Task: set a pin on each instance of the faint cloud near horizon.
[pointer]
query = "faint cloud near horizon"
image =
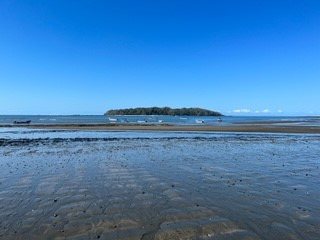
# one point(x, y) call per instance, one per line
point(270, 112)
point(263, 111)
point(242, 110)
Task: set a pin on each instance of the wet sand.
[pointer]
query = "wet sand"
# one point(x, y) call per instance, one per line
point(238, 186)
point(239, 127)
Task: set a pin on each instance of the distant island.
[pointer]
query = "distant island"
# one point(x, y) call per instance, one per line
point(163, 111)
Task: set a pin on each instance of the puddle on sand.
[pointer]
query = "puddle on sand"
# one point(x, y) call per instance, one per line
point(253, 187)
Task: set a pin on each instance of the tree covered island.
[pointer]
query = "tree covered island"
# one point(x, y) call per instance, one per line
point(163, 111)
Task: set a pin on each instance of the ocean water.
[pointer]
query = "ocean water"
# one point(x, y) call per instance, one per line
point(29, 133)
point(179, 120)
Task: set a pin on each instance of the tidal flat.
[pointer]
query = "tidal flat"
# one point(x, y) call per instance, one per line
point(160, 186)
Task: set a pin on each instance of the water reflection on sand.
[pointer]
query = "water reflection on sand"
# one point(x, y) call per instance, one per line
point(232, 186)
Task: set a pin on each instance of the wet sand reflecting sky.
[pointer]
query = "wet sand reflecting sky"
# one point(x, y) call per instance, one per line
point(247, 186)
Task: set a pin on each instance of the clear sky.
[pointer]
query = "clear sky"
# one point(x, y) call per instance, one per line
point(84, 57)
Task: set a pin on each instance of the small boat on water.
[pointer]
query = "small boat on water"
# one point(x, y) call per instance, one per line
point(141, 121)
point(22, 122)
point(199, 121)
point(160, 121)
point(113, 119)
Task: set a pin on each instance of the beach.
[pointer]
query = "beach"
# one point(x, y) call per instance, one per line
point(95, 184)
point(159, 120)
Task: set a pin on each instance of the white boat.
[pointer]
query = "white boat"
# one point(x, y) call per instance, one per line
point(113, 119)
point(199, 121)
point(141, 121)
point(160, 121)
point(124, 120)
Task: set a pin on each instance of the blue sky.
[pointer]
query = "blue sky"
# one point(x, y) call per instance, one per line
point(84, 57)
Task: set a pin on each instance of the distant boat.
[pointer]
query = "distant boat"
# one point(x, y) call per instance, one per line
point(183, 118)
point(160, 121)
point(199, 121)
point(22, 122)
point(141, 121)
point(113, 119)
point(219, 120)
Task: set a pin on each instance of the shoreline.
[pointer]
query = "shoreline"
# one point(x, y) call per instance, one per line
point(267, 128)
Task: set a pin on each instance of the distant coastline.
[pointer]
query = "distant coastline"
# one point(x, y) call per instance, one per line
point(163, 111)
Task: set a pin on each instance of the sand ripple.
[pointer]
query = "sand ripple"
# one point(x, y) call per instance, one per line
point(246, 187)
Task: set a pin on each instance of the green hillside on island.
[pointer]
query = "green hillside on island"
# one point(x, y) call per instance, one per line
point(163, 111)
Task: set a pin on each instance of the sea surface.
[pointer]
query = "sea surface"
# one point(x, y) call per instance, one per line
point(178, 120)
